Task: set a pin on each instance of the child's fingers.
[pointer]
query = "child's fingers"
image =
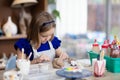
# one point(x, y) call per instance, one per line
point(63, 56)
point(47, 59)
point(44, 58)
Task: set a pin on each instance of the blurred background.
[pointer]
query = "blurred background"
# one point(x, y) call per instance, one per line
point(79, 22)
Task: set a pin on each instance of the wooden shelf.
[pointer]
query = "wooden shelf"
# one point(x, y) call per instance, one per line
point(12, 37)
point(7, 43)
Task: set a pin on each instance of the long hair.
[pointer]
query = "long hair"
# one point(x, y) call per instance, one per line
point(41, 22)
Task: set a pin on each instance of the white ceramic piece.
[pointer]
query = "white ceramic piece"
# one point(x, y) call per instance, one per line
point(10, 28)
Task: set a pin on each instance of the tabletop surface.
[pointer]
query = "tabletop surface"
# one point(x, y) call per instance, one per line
point(1, 74)
point(37, 73)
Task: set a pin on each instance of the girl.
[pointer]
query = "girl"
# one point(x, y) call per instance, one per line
point(40, 40)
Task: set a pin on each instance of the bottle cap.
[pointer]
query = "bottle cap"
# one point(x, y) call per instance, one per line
point(105, 45)
point(95, 43)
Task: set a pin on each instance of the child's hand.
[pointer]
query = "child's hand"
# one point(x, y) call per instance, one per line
point(64, 56)
point(58, 63)
point(43, 58)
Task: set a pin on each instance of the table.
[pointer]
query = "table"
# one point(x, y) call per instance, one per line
point(107, 76)
point(37, 74)
point(1, 74)
point(42, 73)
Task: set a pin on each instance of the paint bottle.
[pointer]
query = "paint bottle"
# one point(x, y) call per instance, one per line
point(95, 47)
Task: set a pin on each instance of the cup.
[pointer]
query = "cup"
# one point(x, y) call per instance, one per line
point(45, 66)
point(23, 65)
point(98, 67)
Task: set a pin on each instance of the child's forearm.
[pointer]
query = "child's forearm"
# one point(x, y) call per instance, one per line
point(61, 54)
point(58, 52)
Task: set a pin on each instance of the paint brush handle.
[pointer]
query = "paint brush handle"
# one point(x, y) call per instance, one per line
point(29, 56)
point(22, 53)
point(102, 55)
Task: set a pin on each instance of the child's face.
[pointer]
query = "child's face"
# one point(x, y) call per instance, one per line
point(46, 36)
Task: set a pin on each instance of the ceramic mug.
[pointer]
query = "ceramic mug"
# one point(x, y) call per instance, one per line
point(23, 65)
point(98, 67)
point(45, 66)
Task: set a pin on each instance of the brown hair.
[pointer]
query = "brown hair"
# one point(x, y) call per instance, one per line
point(40, 23)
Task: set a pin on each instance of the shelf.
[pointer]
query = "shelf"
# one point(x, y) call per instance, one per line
point(7, 43)
point(13, 37)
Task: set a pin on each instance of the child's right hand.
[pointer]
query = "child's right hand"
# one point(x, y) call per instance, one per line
point(43, 58)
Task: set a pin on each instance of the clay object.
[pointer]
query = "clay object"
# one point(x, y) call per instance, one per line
point(115, 53)
point(70, 59)
point(10, 28)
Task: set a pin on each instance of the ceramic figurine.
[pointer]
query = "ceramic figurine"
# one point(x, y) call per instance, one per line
point(10, 28)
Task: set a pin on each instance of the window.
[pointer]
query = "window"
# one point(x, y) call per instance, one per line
point(73, 17)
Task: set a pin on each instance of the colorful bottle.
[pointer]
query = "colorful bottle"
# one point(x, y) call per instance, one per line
point(95, 46)
point(105, 47)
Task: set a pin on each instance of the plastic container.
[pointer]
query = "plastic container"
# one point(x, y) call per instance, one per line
point(112, 64)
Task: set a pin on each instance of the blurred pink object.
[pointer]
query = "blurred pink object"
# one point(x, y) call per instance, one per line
point(99, 68)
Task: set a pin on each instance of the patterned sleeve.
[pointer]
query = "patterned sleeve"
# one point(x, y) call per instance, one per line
point(24, 43)
point(56, 42)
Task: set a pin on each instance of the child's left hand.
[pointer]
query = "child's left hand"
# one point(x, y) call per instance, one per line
point(58, 63)
point(63, 56)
